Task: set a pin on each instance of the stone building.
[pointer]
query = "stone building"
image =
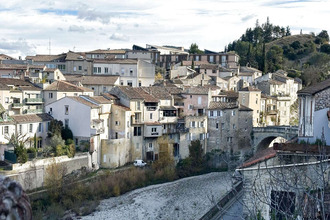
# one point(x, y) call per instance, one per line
point(286, 182)
point(229, 127)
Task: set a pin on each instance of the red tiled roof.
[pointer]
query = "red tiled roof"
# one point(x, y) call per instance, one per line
point(259, 157)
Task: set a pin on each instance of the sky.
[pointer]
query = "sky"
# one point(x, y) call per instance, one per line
point(57, 26)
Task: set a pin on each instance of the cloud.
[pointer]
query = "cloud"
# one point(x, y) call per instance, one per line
point(119, 37)
point(80, 29)
point(248, 17)
point(94, 15)
point(75, 28)
point(19, 46)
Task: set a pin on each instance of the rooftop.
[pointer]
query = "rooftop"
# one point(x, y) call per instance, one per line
point(311, 90)
point(66, 87)
point(92, 79)
point(32, 118)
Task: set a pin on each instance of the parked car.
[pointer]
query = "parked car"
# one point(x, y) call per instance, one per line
point(139, 163)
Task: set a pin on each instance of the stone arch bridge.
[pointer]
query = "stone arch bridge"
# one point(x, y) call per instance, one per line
point(263, 136)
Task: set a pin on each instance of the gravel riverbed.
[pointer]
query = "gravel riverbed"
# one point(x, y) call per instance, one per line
point(188, 198)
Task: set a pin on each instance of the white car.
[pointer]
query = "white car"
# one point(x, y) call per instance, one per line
point(139, 163)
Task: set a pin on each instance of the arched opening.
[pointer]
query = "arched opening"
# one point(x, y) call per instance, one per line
point(268, 142)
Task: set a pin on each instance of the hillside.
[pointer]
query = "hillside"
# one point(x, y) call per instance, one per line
point(269, 48)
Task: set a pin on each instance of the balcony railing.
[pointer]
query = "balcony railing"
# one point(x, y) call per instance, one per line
point(178, 104)
point(32, 111)
point(17, 105)
point(33, 100)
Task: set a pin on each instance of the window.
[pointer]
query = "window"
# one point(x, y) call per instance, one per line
point(20, 129)
point(6, 129)
point(201, 136)
point(150, 115)
point(211, 113)
point(94, 69)
point(202, 124)
point(234, 126)
point(117, 123)
point(121, 82)
point(66, 123)
point(50, 95)
point(40, 127)
point(122, 71)
point(137, 131)
point(76, 141)
point(217, 125)
point(79, 67)
point(153, 129)
point(127, 135)
point(233, 113)
point(6, 100)
point(199, 100)
point(150, 145)
point(99, 69)
point(190, 106)
point(193, 124)
point(66, 109)
point(31, 128)
point(131, 72)
point(140, 84)
point(190, 96)
point(222, 126)
point(256, 100)
point(138, 106)
point(129, 83)
point(104, 89)
point(74, 69)
point(61, 66)
point(75, 94)
point(211, 59)
point(39, 143)
point(106, 69)
point(116, 135)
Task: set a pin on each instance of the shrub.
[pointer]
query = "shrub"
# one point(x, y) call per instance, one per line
point(116, 190)
point(66, 133)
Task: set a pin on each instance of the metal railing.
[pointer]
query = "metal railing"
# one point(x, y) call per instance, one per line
point(33, 100)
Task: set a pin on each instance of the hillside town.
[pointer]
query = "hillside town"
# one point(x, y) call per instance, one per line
point(120, 104)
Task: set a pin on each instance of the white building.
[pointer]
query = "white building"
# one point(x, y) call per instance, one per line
point(83, 116)
point(314, 114)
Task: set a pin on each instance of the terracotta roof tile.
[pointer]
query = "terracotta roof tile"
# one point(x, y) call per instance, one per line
point(159, 92)
point(223, 105)
point(32, 118)
point(259, 157)
point(92, 79)
point(21, 84)
point(66, 87)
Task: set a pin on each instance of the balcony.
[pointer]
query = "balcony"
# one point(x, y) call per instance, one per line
point(33, 100)
point(179, 104)
point(32, 111)
point(170, 131)
point(16, 105)
point(95, 131)
point(136, 121)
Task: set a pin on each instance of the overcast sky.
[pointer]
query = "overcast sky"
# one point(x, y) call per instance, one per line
point(27, 27)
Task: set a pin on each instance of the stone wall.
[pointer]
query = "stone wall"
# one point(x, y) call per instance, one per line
point(322, 100)
point(260, 180)
point(32, 174)
point(117, 152)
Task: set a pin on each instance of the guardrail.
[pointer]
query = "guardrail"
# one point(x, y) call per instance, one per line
point(223, 201)
point(278, 129)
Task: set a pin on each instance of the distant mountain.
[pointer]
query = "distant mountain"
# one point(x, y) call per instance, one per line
point(269, 48)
